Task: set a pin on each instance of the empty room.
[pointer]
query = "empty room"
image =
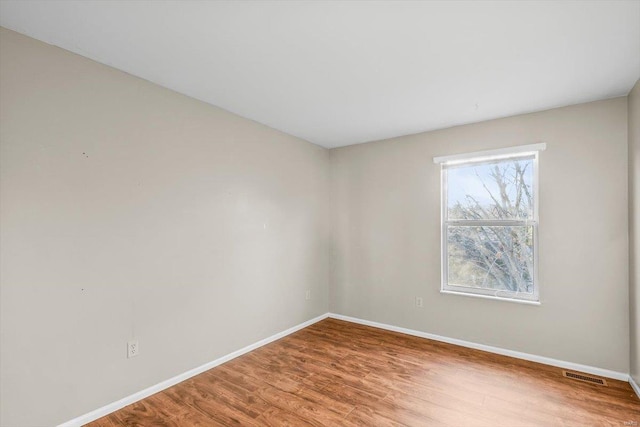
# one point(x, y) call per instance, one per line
point(319, 213)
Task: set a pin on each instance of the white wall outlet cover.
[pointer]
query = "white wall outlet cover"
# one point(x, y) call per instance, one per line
point(132, 348)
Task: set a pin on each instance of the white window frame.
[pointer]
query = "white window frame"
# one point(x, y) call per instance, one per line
point(476, 158)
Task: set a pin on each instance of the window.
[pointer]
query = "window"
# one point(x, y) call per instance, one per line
point(490, 223)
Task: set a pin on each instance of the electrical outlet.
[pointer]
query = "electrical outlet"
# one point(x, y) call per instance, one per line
point(132, 349)
point(419, 302)
point(308, 295)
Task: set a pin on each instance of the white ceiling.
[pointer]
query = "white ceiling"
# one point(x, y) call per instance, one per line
point(340, 73)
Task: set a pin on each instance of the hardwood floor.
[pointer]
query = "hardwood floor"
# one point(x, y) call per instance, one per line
point(336, 373)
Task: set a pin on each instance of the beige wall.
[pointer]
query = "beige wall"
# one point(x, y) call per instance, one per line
point(634, 229)
point(386, 205)
point(128, 209)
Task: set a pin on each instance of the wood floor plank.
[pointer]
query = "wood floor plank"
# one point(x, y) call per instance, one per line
point(145, 413)
point(350, 395)
point(365, 416)
point(335, 373)
point(315, 412)
point(180, 412)
point(197, 397)
point(232, 395)
point(274, 417)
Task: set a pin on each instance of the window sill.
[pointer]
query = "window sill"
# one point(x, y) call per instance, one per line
point(519, 301)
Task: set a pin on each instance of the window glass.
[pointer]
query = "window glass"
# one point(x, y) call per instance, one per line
point(491, 190)
point(491, 257)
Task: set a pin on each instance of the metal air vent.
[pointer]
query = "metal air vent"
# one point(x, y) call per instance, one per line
point(584, 377)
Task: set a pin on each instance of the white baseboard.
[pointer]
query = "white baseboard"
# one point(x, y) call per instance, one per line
point(497, 350)
point(112, 407)
point(634, 386)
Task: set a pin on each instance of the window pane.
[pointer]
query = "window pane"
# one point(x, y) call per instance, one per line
point(500, 189)
point(491, 257)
